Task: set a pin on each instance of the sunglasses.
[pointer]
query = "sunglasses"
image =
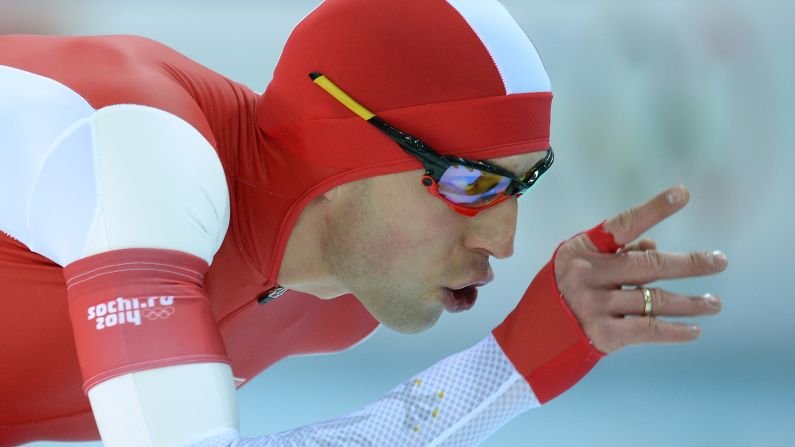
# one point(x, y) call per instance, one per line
point(466, 186)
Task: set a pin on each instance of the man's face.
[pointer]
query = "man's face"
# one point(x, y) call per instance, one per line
point(396, 247)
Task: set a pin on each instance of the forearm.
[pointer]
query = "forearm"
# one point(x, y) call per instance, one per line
point(538, 352)
point(459, 401)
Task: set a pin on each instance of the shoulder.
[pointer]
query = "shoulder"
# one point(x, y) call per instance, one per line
point(88, 63)
point(111, 70)
point(137, 177)
point(107, 135)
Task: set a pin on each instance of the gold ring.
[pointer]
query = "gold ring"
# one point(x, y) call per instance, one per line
point(648, 297)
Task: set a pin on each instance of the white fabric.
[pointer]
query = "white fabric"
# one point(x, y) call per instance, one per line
point(165, 406)
point(129, 176)
point(34, 112)
point(481, 389)
point(74, 182)
point(512, 51)
point(78, 182)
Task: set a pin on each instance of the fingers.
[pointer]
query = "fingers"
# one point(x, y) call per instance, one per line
point(629, 225)
point(641, 267)
point(665, 303)
point(651, 330)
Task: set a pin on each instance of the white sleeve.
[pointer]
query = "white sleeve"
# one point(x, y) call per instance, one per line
point(74, 182)
point(150, 181)
point(128, 176)
point(460, 401)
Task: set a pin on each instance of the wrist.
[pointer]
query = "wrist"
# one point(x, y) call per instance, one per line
point(544, 340)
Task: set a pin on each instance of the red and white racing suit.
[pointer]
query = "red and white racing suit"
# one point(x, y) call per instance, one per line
point(145, 204)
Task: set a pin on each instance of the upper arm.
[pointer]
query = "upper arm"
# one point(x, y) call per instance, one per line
point(128, 176)
point(133, 202)
point(76, 181)
point(136, 178)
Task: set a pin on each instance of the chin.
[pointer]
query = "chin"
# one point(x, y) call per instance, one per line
point(413, 325)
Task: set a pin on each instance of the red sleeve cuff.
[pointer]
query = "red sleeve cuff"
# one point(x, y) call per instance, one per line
point(139, 309)
point(544, 341)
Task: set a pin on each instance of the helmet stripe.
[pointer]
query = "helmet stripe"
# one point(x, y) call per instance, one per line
point(512, 51)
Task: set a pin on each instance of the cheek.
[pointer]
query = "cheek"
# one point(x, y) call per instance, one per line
point(417, 232)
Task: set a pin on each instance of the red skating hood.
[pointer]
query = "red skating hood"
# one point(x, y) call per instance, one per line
point(459, 74)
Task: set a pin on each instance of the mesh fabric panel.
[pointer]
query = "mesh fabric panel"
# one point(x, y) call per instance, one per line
point(459, 401)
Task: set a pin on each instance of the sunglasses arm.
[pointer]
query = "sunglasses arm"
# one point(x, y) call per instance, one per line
point(430, 159)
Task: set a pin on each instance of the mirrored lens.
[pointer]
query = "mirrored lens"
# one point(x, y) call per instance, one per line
point(469, 186)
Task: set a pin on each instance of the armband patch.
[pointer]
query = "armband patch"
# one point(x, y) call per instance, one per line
point(138, 309)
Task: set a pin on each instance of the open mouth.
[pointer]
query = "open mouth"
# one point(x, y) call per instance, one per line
point(461, 299)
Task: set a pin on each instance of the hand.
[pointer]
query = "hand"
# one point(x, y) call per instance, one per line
point(591, 282)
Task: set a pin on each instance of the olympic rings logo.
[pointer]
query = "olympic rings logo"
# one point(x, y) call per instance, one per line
point(159, 312)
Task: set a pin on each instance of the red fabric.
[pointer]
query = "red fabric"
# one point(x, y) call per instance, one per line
point(40, 393)
point(418, 65)
point(404, 71)
point(108, 70)
point(386, 55)
point(543, 339)
point(602, 239)
point(520, 120)
point(40, 377)
point(138, 309)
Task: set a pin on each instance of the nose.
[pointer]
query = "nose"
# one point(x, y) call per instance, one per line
point(493, 230)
